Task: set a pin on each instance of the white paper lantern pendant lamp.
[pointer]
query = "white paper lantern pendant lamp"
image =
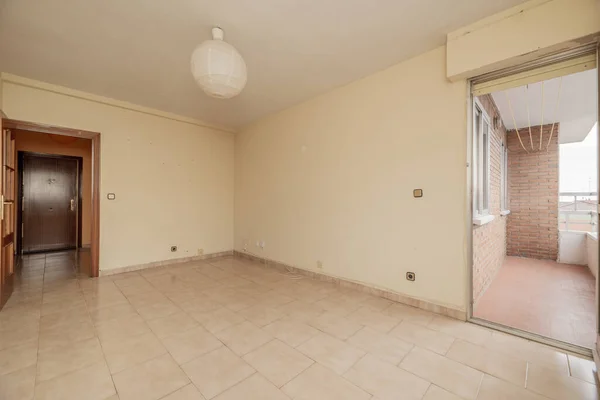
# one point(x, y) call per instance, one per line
point(218, 67)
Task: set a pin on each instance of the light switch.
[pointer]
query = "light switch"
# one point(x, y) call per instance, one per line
point(111, 196)
point(418, 193)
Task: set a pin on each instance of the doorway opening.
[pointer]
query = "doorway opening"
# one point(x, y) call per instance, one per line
point(535, 202)
point(50, 188)
point(50, 201)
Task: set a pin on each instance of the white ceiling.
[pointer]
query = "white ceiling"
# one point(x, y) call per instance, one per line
point(577, 107)
point(139, 50)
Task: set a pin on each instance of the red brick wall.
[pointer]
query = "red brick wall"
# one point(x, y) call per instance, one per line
point(532, 229)
point(489, 240)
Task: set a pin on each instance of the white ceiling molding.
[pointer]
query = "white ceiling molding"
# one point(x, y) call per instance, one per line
point(26, 82)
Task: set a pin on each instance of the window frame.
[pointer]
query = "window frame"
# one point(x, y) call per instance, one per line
point(504, 180)
point(481, 175)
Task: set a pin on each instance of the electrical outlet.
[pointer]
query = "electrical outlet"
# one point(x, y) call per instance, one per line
point(200, 252)
point(173, 249)
point(319, 265)
point(411, 276)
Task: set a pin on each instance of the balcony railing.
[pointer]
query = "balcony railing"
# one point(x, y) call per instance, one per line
point(578, 211)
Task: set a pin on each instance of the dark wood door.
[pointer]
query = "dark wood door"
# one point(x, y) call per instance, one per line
point(50, 188)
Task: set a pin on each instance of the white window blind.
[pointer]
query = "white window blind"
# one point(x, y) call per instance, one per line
point(539, 71)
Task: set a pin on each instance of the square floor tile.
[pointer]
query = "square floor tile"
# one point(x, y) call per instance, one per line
point(89, 383)
point(423, 337)
point(493, 388)
point(187, 345)
point(145, 299)
point(254, 388)
point(318, 382)
point(386, 381)
point(75, 304)
point(158, 310)
point(448, 374)
point(335, 325)
point(189, 392)
point(437, 393)
point(463, 330)
point(150, 380)
point(105, 299)
point(172, 324)
point(194, 302)
point(18, 385)
point(18, 335)
point(18, 357)
point(374, 319)
point(301, 310)
point(557, 386)
point(53, 320)
point(113, 312)
point(278, 362)
point(122, 328)
point(243, 338)
point(291, 331)
point(64, 335)
point(61, 360)
point(330, 352)
point(338, 305)
point(499, 365)
point(217, 371)
point(261, 315)
point(386, 347)
point(217, 320)
point(127, 352)
point(532, 352)
point(409, 314)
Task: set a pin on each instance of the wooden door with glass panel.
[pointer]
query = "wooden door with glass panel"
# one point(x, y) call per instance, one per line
point(7, 213)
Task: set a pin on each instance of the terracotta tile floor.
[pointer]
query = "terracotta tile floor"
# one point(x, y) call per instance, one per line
point(543, 297)
point(233, 329)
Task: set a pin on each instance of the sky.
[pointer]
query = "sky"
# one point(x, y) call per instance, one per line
point(577, 164)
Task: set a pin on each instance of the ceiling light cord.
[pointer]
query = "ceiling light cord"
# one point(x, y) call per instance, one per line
point(528, 119)
point(514, 121)
point(555, 113)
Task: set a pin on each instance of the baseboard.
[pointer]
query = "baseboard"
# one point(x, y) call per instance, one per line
point(164, 263)
point(360, 286)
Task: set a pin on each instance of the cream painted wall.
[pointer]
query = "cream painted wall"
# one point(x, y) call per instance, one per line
point(332, 180)
point(522, 33)
point(173, 180)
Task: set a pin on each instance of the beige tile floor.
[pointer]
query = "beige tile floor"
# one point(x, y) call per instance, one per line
point(232, 329)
